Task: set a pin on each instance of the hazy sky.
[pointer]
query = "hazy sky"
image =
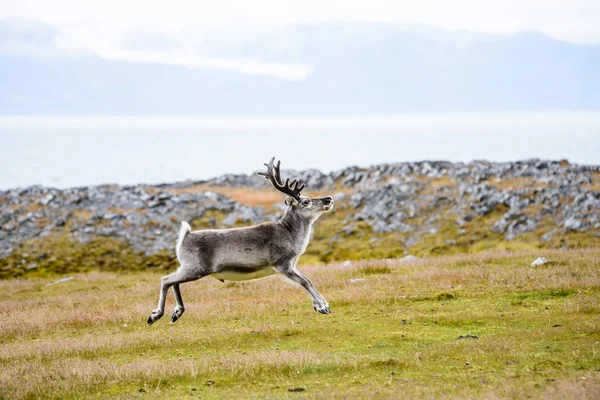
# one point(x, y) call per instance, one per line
point(187, 32)
point(366, 60)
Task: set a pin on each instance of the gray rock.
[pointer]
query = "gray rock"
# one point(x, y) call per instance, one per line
point(339, 196)
point(539, 262)
point(409, 258)
point(63, 280)
point(546, 237)
point(46, 199)
point(355, 280)
point(573, 224)
point(389, 197)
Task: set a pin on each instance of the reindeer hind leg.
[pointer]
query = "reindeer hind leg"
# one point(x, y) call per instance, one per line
point(178, 277)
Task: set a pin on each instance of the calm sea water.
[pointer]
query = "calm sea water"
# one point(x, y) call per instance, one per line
point(75, 151)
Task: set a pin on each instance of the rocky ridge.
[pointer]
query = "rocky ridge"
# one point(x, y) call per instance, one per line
point(414, 199)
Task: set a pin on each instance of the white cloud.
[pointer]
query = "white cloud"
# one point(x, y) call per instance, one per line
point(287, 71)
point(197, 33)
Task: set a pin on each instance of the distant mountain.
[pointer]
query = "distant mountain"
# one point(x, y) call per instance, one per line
point(357, 69)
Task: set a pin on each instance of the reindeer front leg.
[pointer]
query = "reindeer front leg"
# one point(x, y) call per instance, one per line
point(318, 301)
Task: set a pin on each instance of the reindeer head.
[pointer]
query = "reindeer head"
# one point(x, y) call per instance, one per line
point(302, 205)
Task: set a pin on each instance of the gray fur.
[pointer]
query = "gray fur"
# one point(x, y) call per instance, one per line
point(247, 253)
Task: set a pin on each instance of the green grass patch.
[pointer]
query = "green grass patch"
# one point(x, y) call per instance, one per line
point(546, 294)
point(461, 327)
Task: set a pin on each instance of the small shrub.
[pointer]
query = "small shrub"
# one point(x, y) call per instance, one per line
point(375, 270)
point(445, 296)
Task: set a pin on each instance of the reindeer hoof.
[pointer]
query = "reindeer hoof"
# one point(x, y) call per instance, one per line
point(174, 317)
point(155, 316)
point(324, 310)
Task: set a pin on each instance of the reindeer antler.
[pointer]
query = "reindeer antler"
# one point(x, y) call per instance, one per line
point(273, 174)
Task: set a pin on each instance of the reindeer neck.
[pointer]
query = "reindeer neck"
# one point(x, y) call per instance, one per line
point(295, 224)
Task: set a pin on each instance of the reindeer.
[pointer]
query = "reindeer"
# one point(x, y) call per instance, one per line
point(253, 252)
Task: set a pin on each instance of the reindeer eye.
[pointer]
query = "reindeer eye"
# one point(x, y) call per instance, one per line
point(306, 202)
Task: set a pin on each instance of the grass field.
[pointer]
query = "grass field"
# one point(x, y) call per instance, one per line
point(465, 326)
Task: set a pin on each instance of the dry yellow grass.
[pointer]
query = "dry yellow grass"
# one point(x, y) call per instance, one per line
point(436, 183)
point(82, 214)
point(249, 196)
point(243, 195)
point(517, 183)
point(393, 333)
point(33, 207)
point(595, 185)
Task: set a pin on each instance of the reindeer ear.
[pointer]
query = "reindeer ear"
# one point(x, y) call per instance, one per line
point(290, 201)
